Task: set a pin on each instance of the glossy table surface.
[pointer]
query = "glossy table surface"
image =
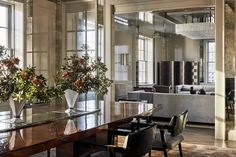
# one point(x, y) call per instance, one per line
point(47, 126)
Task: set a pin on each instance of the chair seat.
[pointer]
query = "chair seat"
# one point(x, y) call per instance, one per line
point(101, 154)
point(136, 144)
point(132, 126)
point(171, 141)
point(104, 154)
point(126, 126)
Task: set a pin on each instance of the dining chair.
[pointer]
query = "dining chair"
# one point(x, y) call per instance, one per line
point(229, 105)
point(138, 122)
point(48, 153)
point(169, 136)
point(136, 144)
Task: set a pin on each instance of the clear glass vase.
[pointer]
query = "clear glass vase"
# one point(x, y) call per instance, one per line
point(16, 108)
point(71, 98)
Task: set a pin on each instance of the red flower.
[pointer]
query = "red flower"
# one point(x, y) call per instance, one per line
point(81, 61)
point(65, 74)
point(78, 83)
point(36, 81)
point(16, 61)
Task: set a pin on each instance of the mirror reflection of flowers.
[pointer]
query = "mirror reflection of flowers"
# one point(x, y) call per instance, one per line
point(101, 82)
point(81, 74)
point(21, 84)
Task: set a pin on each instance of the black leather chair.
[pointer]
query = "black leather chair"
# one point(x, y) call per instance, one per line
point(169, 136)
point(137, 144)
point(230, 103)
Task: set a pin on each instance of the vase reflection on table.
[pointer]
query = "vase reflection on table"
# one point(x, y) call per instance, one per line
point(16, 140)
point(70, 127)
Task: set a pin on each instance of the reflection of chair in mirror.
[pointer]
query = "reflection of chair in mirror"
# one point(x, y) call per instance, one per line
point(230, 103)
point(136, 144)
point(169, 136)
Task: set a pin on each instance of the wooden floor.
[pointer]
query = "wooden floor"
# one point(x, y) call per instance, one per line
point(194, 135)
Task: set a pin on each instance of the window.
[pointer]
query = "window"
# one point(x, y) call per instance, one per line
point(146, 16)
point(121, 20)
point(4, 25)
point(211, 61)
point(145, 60)
point(81, 33)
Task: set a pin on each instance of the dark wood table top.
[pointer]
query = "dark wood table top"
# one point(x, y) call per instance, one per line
point(32, 139)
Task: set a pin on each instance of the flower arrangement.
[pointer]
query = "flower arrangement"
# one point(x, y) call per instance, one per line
point(21, 84)
point(81, 74)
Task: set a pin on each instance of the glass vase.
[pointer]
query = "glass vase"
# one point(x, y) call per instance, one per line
point(16, 108)
point(71, 98)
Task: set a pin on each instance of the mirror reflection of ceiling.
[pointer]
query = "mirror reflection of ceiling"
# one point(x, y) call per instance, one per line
point(197, 23)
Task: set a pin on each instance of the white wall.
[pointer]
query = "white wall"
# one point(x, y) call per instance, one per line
point(179, 48)
point(192, 50)
point(171, 47)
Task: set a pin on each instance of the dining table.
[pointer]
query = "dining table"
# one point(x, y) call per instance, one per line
point(47, 126)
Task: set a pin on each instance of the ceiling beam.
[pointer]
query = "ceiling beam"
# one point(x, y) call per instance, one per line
point(130, 6)
point(169, 18)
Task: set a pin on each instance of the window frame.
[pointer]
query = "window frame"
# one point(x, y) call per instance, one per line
point(85, 30)
point(146, 16)
point(209, 62)
point(9, 25)
point(145, 52)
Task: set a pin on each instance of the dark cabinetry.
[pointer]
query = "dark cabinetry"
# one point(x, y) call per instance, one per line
point(177, 72)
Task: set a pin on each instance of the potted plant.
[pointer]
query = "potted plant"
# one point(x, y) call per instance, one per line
point(20, 86)
point(79, 75)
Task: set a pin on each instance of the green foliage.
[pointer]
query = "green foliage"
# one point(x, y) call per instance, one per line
point(83, 75)
point(22, 84)
point(101, 82)
point(2, 51)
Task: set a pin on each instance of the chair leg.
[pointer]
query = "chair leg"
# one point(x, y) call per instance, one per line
point(232, 108)
point(165, 153)
point(180, 150)
point(110, 137)
point(150, 153)
point(227, 110)
point(48, 153)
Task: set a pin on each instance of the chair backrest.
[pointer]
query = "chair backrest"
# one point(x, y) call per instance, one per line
point(178, 123)
point(140, 143)
point(230, 95)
